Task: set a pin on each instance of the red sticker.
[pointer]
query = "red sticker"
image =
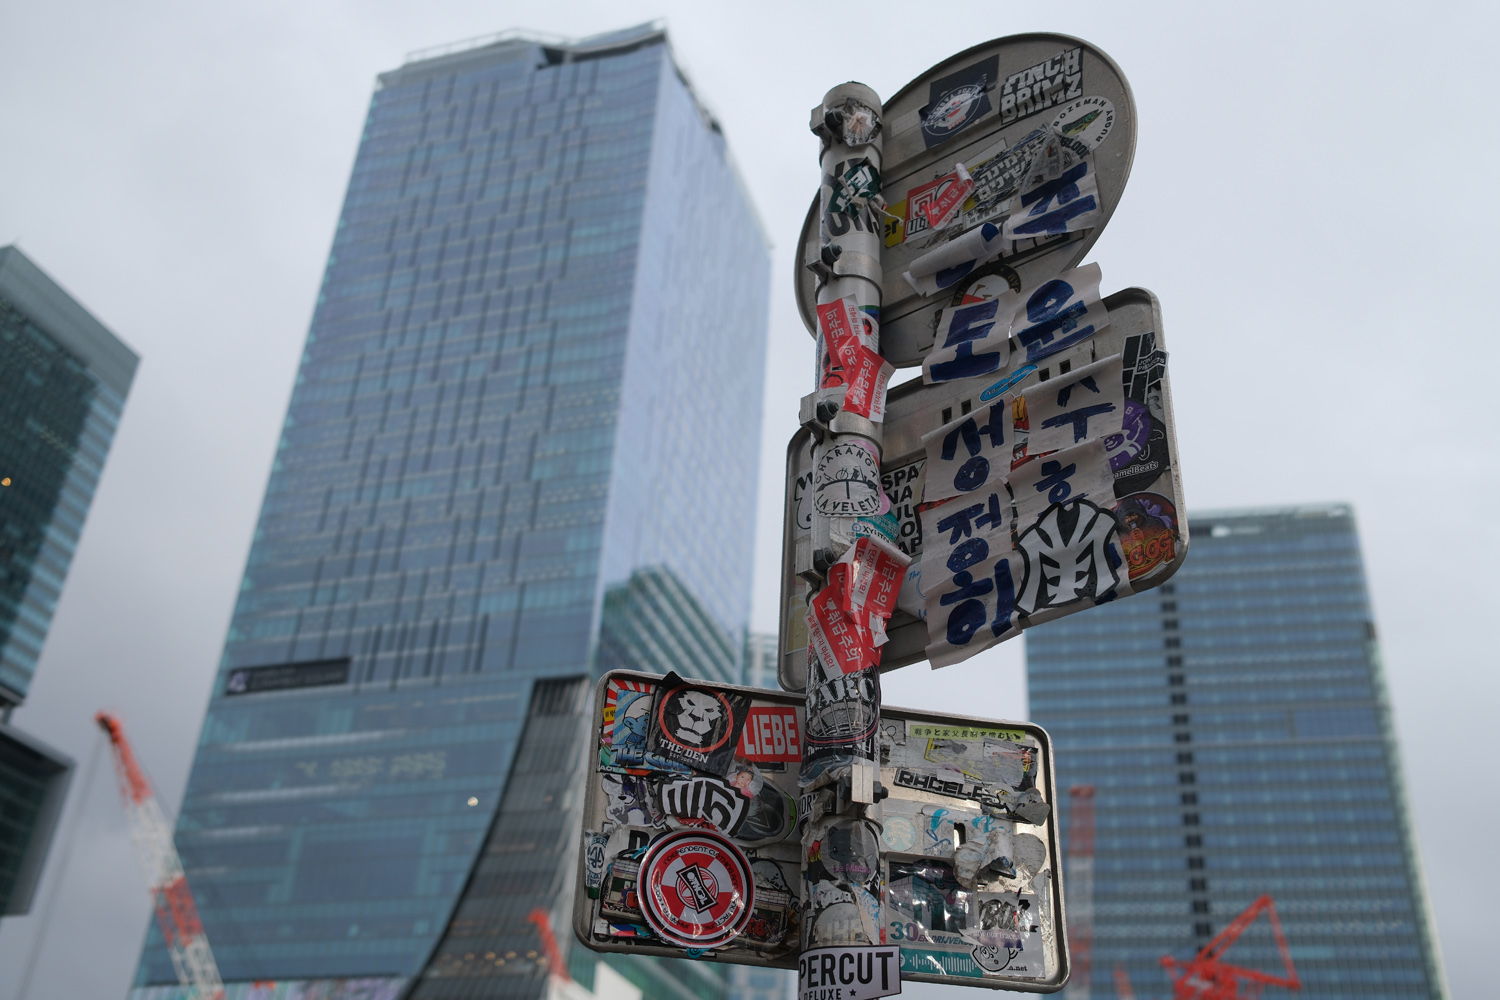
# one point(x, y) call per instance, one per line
point(696, 888)
point(771, 734)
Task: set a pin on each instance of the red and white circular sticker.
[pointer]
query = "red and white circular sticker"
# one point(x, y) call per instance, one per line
point(696, 888)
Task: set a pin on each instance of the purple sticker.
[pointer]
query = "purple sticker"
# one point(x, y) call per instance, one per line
point(1121, 449)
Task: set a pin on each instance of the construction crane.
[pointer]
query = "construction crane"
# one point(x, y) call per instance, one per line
point(1081, 890)
point(1208, 977)
point(176, 913)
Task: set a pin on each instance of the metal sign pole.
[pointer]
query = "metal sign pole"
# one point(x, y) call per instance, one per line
point(841, 871)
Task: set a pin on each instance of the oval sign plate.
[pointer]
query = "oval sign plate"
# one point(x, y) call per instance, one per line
point(970, 109)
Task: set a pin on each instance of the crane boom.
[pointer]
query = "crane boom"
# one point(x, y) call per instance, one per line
point(176, 912)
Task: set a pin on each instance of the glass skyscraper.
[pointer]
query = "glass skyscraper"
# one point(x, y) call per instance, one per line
point(1239, 738)
point(63, 382)
point(534, 375)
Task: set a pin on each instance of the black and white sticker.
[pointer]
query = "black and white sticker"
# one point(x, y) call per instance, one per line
point(851, 973)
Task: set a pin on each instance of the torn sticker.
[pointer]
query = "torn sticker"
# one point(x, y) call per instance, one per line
point(838, 636)
point(875, 574)
point(1060, 313)
point(855, 187)
point(698, 726)
point(1078, 472)
point(628, 801)
point(1069, 409)
point(947, 265)
point(952, 190)
point(618, 899)
point(973, 609)
point(973, 337)
point(1148, 532)
point(1066, 201)
point(843, 715)
point(866, 376)
point(1000, 177)
point(967, 456)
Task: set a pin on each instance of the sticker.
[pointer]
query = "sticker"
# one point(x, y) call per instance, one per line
point(958, 100)
point(1086, 403)
point(1148, 532)
point(707, 800)
point(771, 819)
point(626, 722)
point(847, 482)
point(950, 263)
point(697, 889)
point(835, 635)
point(1070, 554)
point(1000, 177)
point(952, 189)
point(1062, 312)
point(1006, 920)
point(1135, 432)
point(899, 833)
point(874, 574)
point(1088, 119)
point(997, 960)
point(903, 486)
point(1060, 193)
point(843, 714)
point(627, 801)
point(1062, 476)
point(847, 853)
point(855, 187)
point(926, 731)
point(1142, 373)
point(619, 899)
point(699, 726)
point(593, 861)
point(771, 734)
point(973, 608)
point(970, 454)
point(1045, 85)
point(849, 973)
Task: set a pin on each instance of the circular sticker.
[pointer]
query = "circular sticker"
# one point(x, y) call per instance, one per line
point(1087, 119)
point(1148, 531)
point(953, 110)
point(695, 718)
point(900, 834)
point(847, 482)
point(696, 888)
point(1121, 449)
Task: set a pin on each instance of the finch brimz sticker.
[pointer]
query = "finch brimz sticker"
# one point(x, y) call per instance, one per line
point(696, 888)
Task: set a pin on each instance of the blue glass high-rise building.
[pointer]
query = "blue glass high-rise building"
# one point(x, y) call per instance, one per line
point(533, 376)
point(63, 381)
point(1239, 739)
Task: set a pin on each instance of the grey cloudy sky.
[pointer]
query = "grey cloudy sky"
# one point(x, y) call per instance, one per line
point(1312, 200)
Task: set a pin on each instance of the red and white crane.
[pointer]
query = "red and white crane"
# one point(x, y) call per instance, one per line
point(176, 912)
point(1208, 977)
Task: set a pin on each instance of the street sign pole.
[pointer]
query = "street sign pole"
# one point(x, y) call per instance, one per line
point(843, 708)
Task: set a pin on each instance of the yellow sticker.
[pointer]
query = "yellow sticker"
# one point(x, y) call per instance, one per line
point(923, 731)
point(895, 223)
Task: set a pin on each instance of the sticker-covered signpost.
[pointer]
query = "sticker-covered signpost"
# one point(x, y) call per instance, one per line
point(1030, 472)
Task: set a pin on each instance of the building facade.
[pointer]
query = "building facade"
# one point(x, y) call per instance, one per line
point(535, 369)
point(63, 382)
point(1239, 740)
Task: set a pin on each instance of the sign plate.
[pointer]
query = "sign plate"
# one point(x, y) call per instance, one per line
point(968, 849)
point(1146, 501)
point(972, 109)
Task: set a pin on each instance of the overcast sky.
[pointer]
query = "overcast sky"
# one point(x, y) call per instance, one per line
point(1312, 200)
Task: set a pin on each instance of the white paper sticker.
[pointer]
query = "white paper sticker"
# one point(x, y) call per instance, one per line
point(849, 973)
point(1070, 474)
point(1070, 554)
point(1061, 194)
point(972, 609)
point(1079, 406)
point(1060, 313)
point(969, 454)
point(974, 338)
point(947, 265)
point(952, 532)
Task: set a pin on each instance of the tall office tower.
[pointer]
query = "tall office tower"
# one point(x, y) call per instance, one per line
point(1235, 725)
point(63, 383)
point(535, 368)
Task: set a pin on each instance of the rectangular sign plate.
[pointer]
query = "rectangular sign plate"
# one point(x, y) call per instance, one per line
point(969, 851)
point(1151, 531)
